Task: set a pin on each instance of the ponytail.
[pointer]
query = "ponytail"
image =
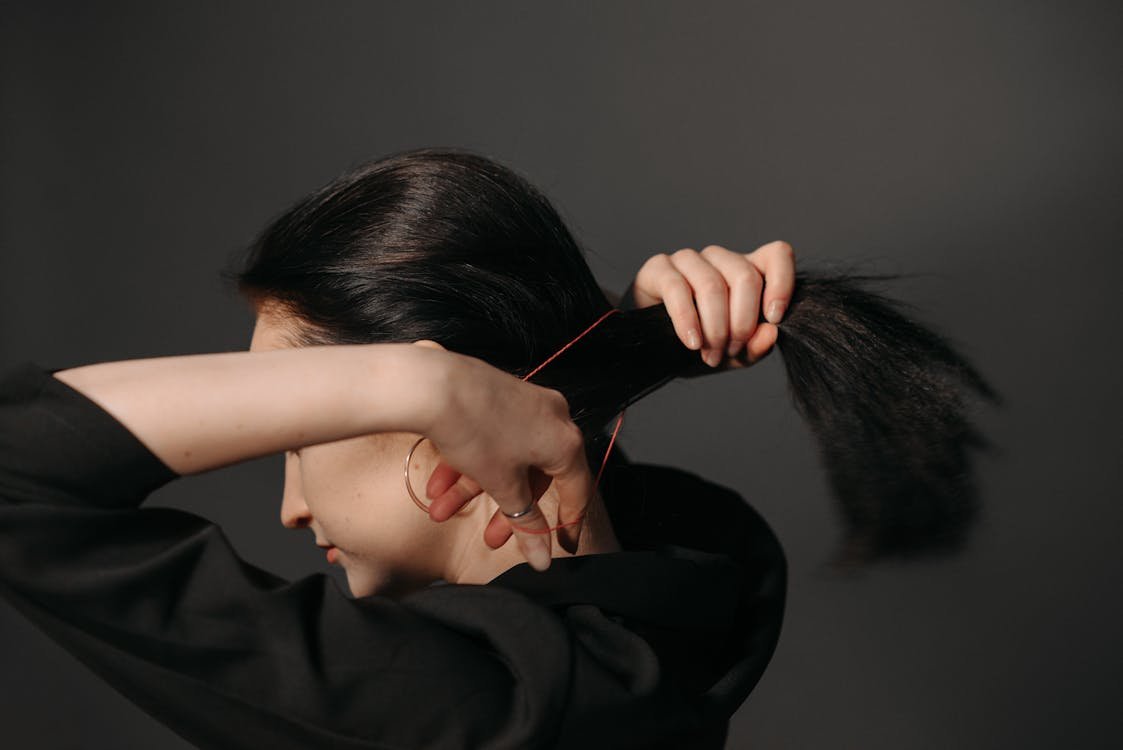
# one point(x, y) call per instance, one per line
point(886, 398)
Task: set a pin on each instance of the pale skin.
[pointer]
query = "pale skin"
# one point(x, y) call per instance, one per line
point(346, 416)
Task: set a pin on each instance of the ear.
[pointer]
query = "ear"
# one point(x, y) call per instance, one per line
point(429, 344)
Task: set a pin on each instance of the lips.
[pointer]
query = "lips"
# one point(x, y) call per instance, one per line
point(332, 554)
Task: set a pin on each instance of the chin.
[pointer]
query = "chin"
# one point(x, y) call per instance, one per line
point(371, 583)
point(362, 583)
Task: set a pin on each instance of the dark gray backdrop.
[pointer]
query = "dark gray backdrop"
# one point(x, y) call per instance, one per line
point(973, 143)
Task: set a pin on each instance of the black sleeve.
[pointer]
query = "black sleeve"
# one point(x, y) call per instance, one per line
point(156, 602)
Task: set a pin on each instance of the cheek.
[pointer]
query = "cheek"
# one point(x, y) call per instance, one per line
point(355, 493)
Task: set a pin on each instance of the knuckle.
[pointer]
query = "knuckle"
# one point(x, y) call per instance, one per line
point(685, 252)
point(516, 503)
point(740, 334)
point(745, 275)
point(575, 439)
point(710, 250)
point(742, 330)
point(710, 284)
point(678, 285)
point(782, 248)
point(559, 403)
point(530, 518)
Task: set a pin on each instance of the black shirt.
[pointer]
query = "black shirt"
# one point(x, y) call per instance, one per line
point(654, 646)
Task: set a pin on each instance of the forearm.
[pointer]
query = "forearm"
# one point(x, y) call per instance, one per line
point(204, 411)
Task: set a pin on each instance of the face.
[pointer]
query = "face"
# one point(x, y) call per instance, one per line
point(351, 495)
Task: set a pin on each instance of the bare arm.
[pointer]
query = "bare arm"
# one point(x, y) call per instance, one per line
point(200, 412)
point(204, 411)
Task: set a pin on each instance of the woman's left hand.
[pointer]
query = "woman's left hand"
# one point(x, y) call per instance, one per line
point(716, 297)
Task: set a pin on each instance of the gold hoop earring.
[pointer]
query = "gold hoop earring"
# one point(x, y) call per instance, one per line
point(409, 487)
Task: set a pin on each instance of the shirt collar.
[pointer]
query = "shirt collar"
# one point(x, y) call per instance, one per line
point(670, 586)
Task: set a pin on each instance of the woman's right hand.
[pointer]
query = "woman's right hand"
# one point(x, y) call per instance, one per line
point(511, 439)
point(716, 298)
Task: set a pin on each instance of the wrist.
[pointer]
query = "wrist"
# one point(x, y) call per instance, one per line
point(404, 387)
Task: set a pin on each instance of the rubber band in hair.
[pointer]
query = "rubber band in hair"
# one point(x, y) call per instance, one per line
point(604, 462)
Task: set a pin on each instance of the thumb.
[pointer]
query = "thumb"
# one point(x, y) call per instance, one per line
point(532, 532)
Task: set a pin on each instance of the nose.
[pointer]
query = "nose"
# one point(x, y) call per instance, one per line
point(294, 511)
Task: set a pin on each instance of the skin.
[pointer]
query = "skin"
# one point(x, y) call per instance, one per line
point(345, 441)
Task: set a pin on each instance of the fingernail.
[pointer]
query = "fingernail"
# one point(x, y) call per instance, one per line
point(693, 339)
point(535, 550)
point(775, 312)
point(712, 357)
point(735, 348)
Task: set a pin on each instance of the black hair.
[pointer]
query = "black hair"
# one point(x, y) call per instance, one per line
point(888, 402)
point(448, 245)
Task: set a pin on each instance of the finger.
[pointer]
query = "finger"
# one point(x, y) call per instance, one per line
point(498, 531)
point(745, 284)
point(443, 477)
point(449, 503)
point(762, 342)
point(711, 297)
point(539, 483)
point(678, 298)
point(776, 263)
point(645, 288)
point(532, 534)
point(575, 489)
point(573, 483)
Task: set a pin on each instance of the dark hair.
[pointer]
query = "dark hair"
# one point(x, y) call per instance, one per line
point(447, 245)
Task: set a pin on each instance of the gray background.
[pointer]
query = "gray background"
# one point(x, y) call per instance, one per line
point(974, 144)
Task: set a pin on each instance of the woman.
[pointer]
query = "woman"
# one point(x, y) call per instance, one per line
point(407, 300)
point(228, 656)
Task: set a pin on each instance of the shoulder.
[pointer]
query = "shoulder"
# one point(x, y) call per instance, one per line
point(653, 505)
point(656, 506)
